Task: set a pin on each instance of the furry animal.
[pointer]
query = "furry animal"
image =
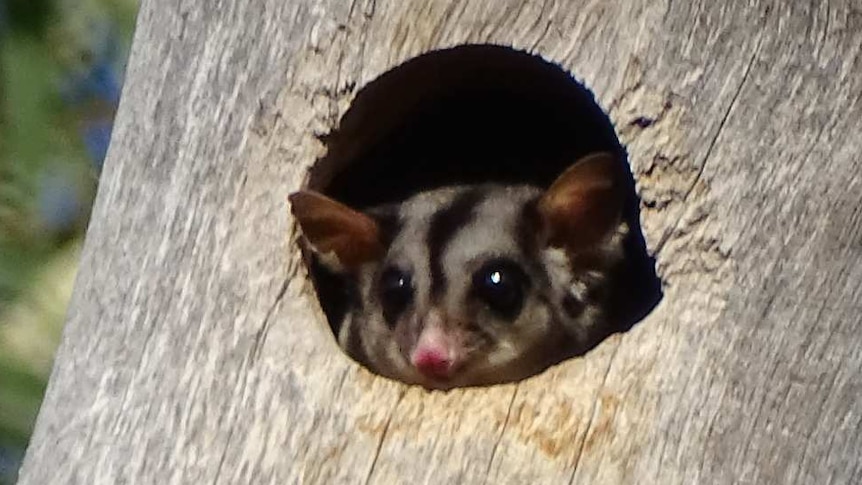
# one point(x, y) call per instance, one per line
point(473, 285)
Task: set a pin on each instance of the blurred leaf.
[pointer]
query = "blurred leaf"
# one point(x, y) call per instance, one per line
point(30, 16)
point(38, 137)
point(19, 402)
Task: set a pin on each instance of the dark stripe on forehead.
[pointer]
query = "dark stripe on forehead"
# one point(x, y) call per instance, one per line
point(445, 223)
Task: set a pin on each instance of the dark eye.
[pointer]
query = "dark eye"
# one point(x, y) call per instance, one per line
point(500, 284)
point(396, 292)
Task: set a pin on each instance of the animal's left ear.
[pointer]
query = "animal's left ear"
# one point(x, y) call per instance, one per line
point(584, 205)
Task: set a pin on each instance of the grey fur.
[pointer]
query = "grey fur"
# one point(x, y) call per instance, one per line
point(499, 351)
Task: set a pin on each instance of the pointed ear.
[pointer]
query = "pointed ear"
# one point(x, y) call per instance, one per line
point(584, 205)
point(333, 228)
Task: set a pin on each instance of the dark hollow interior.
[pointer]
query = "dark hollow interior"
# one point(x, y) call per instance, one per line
point(474, 113)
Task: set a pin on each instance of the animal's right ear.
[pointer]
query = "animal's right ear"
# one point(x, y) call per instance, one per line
point(332, 228)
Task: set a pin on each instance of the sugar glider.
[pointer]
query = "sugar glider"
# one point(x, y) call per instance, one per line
point(473, 284)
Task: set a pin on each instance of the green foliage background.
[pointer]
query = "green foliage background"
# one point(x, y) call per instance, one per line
point(48, 178)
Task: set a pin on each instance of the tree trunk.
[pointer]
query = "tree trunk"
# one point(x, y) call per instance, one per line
point(195, 350)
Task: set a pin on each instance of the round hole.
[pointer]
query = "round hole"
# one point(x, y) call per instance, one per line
point(468, 115)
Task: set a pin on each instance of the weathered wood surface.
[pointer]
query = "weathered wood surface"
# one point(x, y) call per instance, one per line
point(194, 350)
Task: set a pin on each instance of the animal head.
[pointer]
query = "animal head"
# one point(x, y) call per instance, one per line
point(472, 285)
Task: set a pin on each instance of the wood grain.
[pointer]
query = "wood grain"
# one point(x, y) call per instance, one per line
point(195, 352)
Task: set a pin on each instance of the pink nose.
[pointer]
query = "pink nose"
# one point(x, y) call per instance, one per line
point(432, 363)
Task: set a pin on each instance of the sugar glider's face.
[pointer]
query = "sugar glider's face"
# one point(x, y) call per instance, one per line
point(462, 293)
point(467, 285)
